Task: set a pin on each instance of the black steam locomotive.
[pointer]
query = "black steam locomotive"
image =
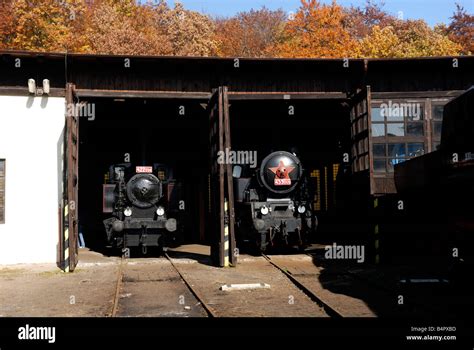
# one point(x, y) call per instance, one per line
point(274, 203)
point(144, 207)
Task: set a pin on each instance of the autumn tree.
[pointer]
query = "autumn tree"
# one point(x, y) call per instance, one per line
point(380, 43)
point(45, 25)
point(121, 27)
point(461, 30)
point(254, 33)
point(190, 33)
point(6, 24)
point(359, 21)
point(317, 31)
point(131, 27)
point(411, 38)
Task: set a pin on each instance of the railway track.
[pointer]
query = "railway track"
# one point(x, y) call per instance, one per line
point(210, 312)
point(120, 274)
point(411, 305)
point(346, 308)
point(315, 298)
point(118, 286)
point(333, 304)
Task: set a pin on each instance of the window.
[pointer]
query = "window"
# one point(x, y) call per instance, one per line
point(415, 149)
point(376, 115)
point(403, 129)
point(437, 109)
point(397, 129)
point(380, 166)
point(396, 150)
point(2, 191)
point(379, 150)
point(437, 129)
point(415, 129)
point(378, 130)
point(392, 162)
point(386, 156)
point(398, 119)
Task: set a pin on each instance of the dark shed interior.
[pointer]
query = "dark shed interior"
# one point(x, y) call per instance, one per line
point(176, 132)
point(171, 132)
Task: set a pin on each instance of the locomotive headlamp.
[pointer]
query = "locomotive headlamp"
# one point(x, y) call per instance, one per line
point(301, 209)
point(127, 212)
point(264, 210)
point(291, 207)
point(160, 211)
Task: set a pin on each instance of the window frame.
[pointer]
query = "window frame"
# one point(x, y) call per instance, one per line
point(387, 157)
point(428, 139)
point(407, 138)
point(435, 139)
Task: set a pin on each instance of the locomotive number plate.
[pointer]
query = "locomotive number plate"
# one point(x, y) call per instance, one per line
point(282, 182)
point(144, 169)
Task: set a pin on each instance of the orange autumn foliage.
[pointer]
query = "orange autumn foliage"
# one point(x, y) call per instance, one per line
point(250, 34)
point(317, 31)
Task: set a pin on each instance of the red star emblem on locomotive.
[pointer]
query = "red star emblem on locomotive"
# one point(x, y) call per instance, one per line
point(282, 174)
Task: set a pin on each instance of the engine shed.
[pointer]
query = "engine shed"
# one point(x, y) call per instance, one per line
point(65, 118)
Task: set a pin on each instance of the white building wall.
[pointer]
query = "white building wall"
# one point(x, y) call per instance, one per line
point(30, 141)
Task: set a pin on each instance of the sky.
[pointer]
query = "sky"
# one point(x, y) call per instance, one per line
point(432, 11)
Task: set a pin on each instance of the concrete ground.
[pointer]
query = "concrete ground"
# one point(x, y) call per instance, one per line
point(282, 299)
point(153, 287)
point(44, 290)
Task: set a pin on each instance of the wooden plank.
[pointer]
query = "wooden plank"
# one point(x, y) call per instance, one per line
point(23, 91)
point(281, 95)
point(360, 109)
point(414, 94)
point(221, 177)
point(76, 188)
point(143, 94)
point(233, 95)
point(216, 141)
point(71, 183)
point(230, 180)
point(368, 102)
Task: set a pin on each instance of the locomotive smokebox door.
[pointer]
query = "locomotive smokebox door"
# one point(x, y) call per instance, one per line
point(280, 172)
point(144, 189)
